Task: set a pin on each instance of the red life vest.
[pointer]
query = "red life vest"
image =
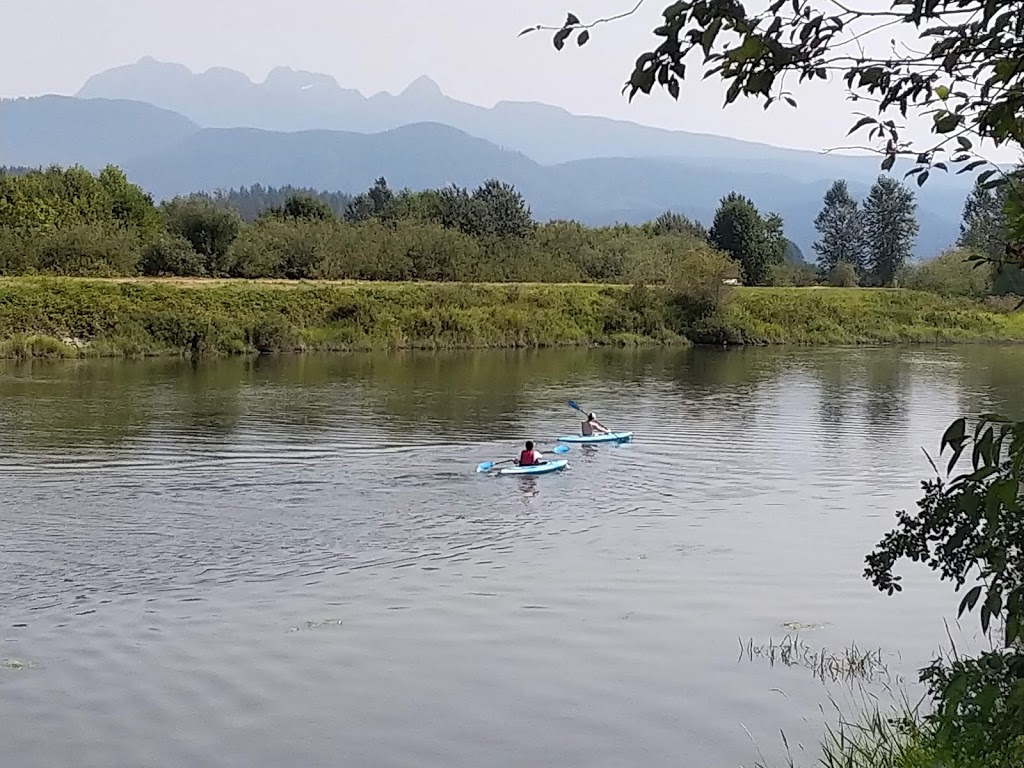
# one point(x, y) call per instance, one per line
point(527, 458)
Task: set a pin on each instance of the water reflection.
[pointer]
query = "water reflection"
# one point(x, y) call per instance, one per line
point(167, 526)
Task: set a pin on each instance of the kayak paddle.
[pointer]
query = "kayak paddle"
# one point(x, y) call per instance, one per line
point(489, 465)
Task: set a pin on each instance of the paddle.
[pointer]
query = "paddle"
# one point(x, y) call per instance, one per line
point(489, 465)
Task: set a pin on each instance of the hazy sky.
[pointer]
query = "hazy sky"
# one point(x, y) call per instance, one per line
point(468, 46)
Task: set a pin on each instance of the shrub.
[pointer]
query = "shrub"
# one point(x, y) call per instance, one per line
point(842, 275)
point(171, 255)
point(88, 250)
point(274, 334)
point(210, 228)
point(949, 274)
point(788, 275)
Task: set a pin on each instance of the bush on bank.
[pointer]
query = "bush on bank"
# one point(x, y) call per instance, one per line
point(46, 317)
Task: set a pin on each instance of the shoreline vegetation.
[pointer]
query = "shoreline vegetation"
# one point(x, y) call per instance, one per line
point(91, 266)
point(54, 317)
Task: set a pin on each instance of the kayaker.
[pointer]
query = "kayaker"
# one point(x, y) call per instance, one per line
point(593, 427)
point(529, 457)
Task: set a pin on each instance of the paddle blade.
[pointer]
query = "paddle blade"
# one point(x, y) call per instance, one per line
point(574, 405)
point(484, 466)
point(561, 449)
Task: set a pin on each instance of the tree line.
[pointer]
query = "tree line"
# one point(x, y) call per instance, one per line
point(73, 222)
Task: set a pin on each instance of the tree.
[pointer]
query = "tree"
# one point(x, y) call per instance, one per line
point(775, 242)
point(983, 227)
point(501, 211)
point(890, 228)
point(210, 228)
point(370, 204)
point(839, 226)
point(672, 223)
point(302, 206)
point(985, 230)
point(129, 204)
point(754, 243)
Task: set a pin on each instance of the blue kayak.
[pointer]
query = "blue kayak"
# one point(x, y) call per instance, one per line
point(536, 469)
point(611, 437)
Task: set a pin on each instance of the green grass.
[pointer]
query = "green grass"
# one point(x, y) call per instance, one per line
point(47, 317)
point(865, 316)
point(61, 317)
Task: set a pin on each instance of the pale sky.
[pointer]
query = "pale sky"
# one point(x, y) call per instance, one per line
point(469, 47)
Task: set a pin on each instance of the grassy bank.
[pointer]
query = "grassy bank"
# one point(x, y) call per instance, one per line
point(865, 316)
point(81, 317)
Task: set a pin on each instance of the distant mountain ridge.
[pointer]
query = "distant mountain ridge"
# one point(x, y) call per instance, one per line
point(295, 100)
point(222, 140)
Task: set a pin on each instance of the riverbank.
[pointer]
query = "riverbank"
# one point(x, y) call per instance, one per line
point(66, 317)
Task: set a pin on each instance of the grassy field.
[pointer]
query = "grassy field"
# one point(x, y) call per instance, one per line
point(136, 317)
point(865, 316)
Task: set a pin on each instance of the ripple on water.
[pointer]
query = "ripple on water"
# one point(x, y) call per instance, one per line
point(157, 555)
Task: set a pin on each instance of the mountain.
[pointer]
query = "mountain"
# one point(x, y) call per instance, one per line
point(289, 100)
point(65, 130)
point(169, 155)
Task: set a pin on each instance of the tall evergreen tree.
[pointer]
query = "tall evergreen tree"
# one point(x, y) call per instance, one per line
point(984, 221)
point(740, 231)
point(839, 229)
point(890, 229)
point(984, 230)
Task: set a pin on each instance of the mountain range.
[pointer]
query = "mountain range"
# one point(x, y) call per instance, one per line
point(175, 131)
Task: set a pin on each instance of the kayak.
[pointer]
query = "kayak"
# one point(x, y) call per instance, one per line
point(611, 437)
point(536, 469)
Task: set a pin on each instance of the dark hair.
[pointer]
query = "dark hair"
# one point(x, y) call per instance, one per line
point(529, 445)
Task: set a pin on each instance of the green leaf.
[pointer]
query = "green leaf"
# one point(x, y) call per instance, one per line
point(752, 48)
point(572, 20)
point(889, 162)
point(560, 37)
point(528, 30)
point(971, 166)
point(922, 178)
point(707, 38)
point(673, 88)
point(969, 601)
point(954, 434)
point(860, 124)
point(964, 142)
point(942, 92)
point(946, 122)
point(761, 82)
point(583, 37)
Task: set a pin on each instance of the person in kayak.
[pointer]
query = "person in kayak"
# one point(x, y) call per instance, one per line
point(593, 427)
point(530, 457)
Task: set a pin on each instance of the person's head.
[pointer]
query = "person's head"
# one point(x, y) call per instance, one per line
point(591, 417)
point(529, 445)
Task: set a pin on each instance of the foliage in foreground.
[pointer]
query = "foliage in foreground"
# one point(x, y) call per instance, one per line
point(970, 531)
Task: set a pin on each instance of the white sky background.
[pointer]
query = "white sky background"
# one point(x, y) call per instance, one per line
point(469, 47)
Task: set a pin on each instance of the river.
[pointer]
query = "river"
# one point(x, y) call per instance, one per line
point(292, 562)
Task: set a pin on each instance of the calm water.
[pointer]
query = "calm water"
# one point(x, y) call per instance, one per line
point(293, 563)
